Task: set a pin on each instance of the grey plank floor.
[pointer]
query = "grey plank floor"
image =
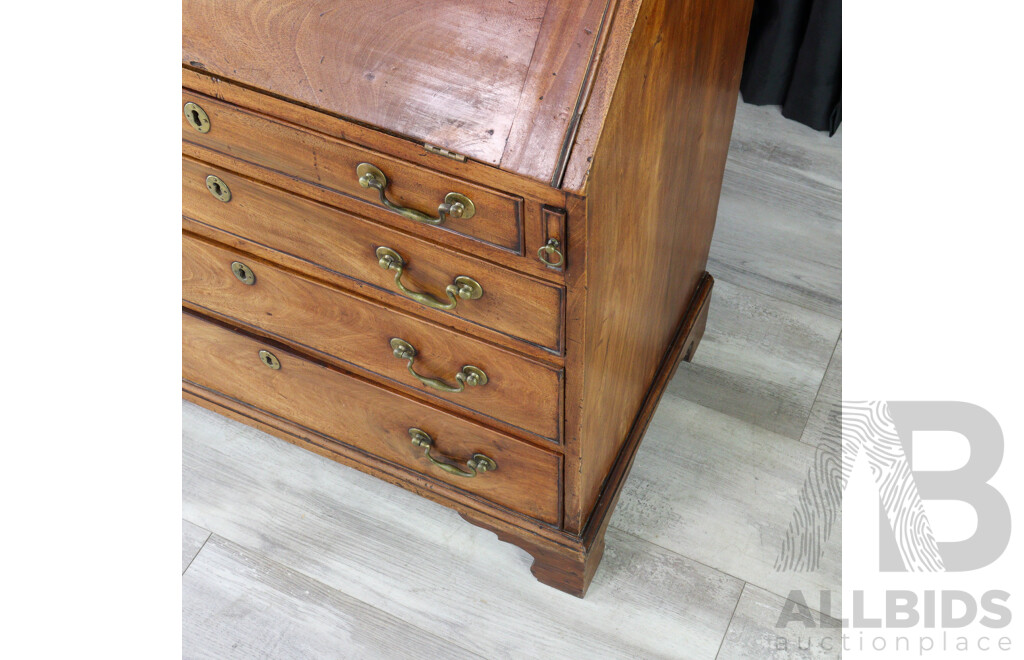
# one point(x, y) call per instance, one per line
point(286, 554)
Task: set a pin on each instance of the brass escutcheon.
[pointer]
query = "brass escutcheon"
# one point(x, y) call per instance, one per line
point(218, 188)
point(197, 117)
point(243, 273)
point(270, 360)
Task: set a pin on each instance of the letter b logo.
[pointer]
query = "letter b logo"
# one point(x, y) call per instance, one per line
point(967, 484)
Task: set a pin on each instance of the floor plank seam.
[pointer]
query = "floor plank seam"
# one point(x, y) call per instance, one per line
point(696, 561)
point(760, 294)
point(732, 616)
point(269, 560)
point(821, 385)
point(190, 561)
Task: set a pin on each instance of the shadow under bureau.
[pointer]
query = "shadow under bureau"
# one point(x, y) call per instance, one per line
point(457, 245)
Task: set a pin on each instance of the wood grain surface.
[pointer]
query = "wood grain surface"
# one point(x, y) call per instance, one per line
point(420, 562)
point(373, 419)
point(362, 537)
point(649, 88)
point(364, 135)
point(788, 178)
point(346, 245)
point(239, 604)
point(652, 198)
point(722, 491)
point(461, 75)
point(762, 360)
point(754, 633)
point(192, 539)
point(357, 332)
point(553, 96)
point(328, 162)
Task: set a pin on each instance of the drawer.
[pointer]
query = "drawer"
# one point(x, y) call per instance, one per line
point(489, 216)
point(495, 382)
point(370, 418)
point(511, 303)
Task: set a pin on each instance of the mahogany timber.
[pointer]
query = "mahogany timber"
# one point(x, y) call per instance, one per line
point(518, 391)
point(571, 566)
point(512, 304)
point(533, 210)
point(563, 560)
point(632, 194)
point(659, 166)
point(332, 163)
point(488, 79)
point(375, 420)
point(316, 119)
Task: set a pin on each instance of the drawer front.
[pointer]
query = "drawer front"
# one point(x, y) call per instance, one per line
point(497, 383)
point(326, 161)
point(513, 304)
point(370, 418)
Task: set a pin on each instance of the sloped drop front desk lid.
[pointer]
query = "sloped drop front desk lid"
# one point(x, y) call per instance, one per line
point(498, 81)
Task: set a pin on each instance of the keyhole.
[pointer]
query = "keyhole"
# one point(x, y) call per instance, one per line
point(195, 118)
point(218, 188)
point(268, 358)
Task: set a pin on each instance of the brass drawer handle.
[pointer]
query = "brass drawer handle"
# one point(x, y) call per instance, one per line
point(477, 465)
point(464, 287)
point(551, 254)
point(469, 375)
point(455, 204)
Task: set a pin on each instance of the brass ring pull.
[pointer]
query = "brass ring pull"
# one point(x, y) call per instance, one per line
point(469, 375)
point(477, 465)
point(549, 249)
point(455, 204)
point(464, 287)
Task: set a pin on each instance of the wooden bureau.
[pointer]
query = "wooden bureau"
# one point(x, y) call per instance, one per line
point(459, 245)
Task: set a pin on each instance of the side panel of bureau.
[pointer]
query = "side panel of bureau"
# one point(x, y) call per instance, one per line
point(370, 418)
point(651, 201)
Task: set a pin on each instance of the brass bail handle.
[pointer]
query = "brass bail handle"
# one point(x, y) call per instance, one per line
point(455, 204)
point(464, 288)
point(469, 375)
point(477, 465)
point(551, 254)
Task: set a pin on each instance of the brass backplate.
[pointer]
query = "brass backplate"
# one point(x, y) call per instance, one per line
point(402, 349)
point(218, 188)
point(243, 273)
point(197, 117)
point(469, 208)
point(366, 168)
point(469, 289)
point(386, 257)
point(270, 360)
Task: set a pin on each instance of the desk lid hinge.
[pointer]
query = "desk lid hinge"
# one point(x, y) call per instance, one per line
point(444, 152)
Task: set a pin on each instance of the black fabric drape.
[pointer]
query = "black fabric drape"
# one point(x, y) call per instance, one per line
point(794, 60)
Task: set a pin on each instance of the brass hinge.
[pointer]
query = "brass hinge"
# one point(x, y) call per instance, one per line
point(444, 152)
